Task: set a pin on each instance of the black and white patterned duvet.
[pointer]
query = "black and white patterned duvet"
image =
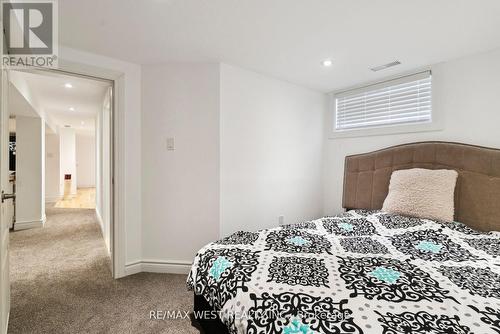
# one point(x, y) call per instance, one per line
point(359, 272)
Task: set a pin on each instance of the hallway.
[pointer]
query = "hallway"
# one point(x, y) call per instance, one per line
point(61, 283)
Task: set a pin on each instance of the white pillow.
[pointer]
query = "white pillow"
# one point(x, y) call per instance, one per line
point(422, 193)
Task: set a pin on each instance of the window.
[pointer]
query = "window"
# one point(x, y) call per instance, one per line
point(403, 101)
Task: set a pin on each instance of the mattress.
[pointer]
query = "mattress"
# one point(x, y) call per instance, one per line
point(358, 272)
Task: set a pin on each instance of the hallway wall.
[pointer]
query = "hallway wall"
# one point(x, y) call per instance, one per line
point(52, 168)
point(85, 160)
point(67, 142)
point(30, 171)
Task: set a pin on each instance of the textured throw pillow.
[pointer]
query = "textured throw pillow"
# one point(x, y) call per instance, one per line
point(422, 193)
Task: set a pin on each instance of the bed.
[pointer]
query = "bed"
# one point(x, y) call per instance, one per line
point(364, 270)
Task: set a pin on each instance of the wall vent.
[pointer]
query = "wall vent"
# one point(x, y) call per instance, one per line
point(383, 67)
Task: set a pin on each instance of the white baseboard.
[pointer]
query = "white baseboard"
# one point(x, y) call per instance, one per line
point(24, 225)
point(133, 268)
point(156, 266)
point(166, 267)
point(85, 186)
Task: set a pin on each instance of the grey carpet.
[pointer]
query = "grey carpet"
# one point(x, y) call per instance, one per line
point(61, 283)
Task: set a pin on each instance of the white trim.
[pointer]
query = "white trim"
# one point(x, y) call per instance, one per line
point(25, 225)
point(170, 267)
point(85, 186)
point(394, 80)
point(158, 266)
point(133, 268)
point(382, 80)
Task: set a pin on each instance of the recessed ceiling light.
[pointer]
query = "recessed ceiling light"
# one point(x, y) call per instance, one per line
point(71, 109)
point(68, 85)
point(82, 123)
point(327, 62)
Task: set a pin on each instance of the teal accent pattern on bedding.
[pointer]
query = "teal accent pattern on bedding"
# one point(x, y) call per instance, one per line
point(358, 272)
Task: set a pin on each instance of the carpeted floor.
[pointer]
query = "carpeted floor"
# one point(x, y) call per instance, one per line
point(61, 283)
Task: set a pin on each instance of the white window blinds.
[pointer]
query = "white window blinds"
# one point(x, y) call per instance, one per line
point(401, 101)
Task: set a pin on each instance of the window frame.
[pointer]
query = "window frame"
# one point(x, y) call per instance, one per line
point(386, 129)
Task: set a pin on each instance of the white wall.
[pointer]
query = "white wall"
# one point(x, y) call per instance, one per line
point(180, 187)
point(271, 151)
point(67, 152)
point(30, 172)
point(85, 160)
point(466, 92)
point(248, 148)
point(52, 168)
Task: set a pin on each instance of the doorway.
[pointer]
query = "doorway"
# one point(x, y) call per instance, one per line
point(60, 170)
point(60, 148)
point(61, 142)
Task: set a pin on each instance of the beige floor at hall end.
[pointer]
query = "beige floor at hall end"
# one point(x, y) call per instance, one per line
point(84, 199)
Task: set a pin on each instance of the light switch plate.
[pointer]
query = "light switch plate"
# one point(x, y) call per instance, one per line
point(170, 144)
point(281, 220)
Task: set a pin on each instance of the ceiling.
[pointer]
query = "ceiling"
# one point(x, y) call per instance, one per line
point(287, 39)
point(49, 94)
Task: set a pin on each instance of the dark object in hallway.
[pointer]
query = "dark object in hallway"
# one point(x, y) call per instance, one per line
point(12, 153)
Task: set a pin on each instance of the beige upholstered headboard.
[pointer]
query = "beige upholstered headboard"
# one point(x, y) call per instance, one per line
point(477, 194)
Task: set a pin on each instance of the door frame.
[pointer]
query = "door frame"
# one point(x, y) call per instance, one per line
point(4, 225)
point(4, 169)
